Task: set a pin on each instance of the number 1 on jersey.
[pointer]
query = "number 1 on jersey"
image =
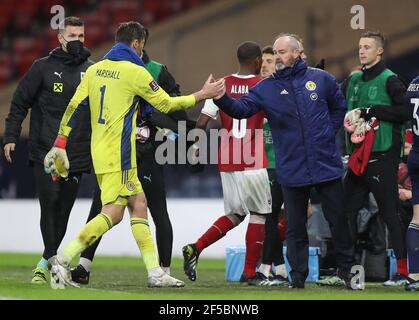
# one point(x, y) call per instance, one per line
point(102, 96)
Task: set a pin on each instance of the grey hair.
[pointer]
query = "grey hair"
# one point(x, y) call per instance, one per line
point(295, 40)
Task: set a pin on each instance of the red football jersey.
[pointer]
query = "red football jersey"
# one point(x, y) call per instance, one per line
point(242, 145)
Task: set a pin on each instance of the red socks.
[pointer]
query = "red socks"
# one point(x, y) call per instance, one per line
point(254, 242)
point(214, 233)
point(402, 267)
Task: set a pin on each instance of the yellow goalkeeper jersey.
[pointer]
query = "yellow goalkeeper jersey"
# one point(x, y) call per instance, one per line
point(112, 90)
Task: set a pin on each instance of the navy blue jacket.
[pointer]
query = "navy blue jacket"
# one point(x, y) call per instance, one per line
point(305, 109)
point(411, 100)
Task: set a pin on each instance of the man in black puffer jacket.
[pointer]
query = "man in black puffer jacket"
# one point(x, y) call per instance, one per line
point(47, 89)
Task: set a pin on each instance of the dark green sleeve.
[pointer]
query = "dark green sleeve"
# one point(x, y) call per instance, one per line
point(168, 82)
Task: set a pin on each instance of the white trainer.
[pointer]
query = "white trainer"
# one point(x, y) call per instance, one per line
point(163, 281)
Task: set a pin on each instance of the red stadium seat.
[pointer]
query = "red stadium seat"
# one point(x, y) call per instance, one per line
point(125, 5)
point(192, 3)
point(22, 18)
point(27, 7)
point(3, 25)
point(51, 39)
point(121, 16)
point(94, 19)
point(94, 36)
point(23, 44)
point(7, 7)
point(46, 6)
point(22, 23)
point(159, 9)
point(6, 67)
point(24, 61)
point(5, 76)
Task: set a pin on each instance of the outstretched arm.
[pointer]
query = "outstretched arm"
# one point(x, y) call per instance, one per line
point(245, 107)
point(79, 101)
point(147, 88)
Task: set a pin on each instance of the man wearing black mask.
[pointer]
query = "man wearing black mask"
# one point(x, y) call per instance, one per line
point(47, 89)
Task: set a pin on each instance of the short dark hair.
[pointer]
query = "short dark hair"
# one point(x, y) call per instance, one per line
point(129, 31)
point(71, 21)
point(268, 50)
point(247, 52)
point(377, 36)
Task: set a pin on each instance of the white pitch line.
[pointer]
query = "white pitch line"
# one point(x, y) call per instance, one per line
point(9, 298)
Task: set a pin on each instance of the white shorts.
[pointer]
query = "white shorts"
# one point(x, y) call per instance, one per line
point(246, 191)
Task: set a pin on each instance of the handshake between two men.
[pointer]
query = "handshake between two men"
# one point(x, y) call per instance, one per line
point(56, 161)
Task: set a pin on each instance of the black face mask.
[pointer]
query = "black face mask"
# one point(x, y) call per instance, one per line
point(75, 47)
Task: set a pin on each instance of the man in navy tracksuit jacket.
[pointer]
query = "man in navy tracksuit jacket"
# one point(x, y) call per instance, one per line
point(305, 109)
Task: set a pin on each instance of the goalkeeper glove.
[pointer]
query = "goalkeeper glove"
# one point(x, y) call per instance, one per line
point(56, 161)
point(321, 64)
point(351, 119)
point(359, 133)
point(366, 113)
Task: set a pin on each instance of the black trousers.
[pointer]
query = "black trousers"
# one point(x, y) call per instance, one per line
point(56, 200)
point(272, 245)
point(296, 202)
point(151, 177)
point(379, 178)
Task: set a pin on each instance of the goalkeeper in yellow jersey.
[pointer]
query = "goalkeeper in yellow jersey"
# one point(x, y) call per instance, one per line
point(113, 89)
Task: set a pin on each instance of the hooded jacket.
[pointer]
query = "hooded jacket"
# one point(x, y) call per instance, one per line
point(46, 89)
point(305, 109)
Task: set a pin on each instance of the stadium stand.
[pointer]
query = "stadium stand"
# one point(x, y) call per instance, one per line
point(26, 36)
point(180, 31)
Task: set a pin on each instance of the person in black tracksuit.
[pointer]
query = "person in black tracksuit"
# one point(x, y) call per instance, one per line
point(46, 89)
point(380, 94)
point(150, 174)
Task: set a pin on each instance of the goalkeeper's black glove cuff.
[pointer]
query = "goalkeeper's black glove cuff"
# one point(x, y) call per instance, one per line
point(321, 64)
point(367, 113)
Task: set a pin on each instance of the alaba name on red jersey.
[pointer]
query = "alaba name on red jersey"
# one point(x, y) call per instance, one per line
point(242, 148)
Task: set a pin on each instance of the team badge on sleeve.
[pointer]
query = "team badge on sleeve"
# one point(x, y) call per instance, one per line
point(311, 86)
point(313, 96)
point(154, 86)
point(130, 185)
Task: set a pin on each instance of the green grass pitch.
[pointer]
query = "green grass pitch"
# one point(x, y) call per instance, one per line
point(125, 278)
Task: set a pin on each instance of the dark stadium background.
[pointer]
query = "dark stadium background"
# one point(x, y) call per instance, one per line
point(195, 38)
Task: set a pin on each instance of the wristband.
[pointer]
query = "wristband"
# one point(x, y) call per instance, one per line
point(60, 142)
